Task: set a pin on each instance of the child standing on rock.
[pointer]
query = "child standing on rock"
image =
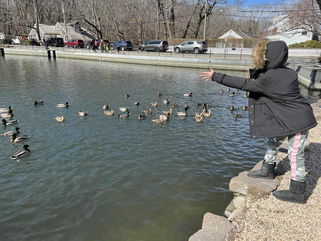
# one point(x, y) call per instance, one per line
point(277, 111)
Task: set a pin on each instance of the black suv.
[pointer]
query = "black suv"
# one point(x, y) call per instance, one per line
point(121, 45)
point(55, 42)
point(155, 45)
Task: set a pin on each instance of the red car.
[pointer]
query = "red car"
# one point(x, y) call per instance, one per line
point(74, 43)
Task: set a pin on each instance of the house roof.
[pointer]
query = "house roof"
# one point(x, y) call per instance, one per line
point(48, 29)
point(73, 34)
point(237, 34)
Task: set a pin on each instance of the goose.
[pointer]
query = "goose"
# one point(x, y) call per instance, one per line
point(20, 154)
point(232, 108)
point(109, 112)
point(6, 110)
point(168, 112)
point(198, 118)
point(9, 122)
point(137, 103)
point(188, 94)
point(126, 95)
point(244, 108)
point(166, 101)
point(154, 104)
point(207, 113)
point(123, 109)
point(16, 139)
point(66, 105)
point(6, 115)
point(124, 115)
point(163, 117)
point(141, 116)
point(105, 107)
point(10, 133)
point(60, 118)
point(146, 112)
point(38, 102)
point(83, 113)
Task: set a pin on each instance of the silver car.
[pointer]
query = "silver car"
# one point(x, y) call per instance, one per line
point(191, 46)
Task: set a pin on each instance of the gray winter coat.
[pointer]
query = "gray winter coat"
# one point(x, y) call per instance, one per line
point(276, 107)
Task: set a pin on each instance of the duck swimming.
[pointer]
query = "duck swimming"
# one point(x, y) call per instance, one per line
point(109, 112)
point(124, 115)
point(66, 105)
point(146, 112)
point(198, 118)
point(166, 101)
point(232, 108)
point(188, 94)
point(9, 122)
point(20, 154)
point(154, 104)
point(38, 102)
point(105, 107)
point(6, 115)
point(141, 116)
point(83, 113)
point(183, 113)
point(10, 133)
point(6, 110)
point(60, 118)
point(207, 113)
point(168, 112)
point(244, 107)
point(14, 139)
point(126, 95)
point(158, 121)
point(137, 103)
point(123, 109)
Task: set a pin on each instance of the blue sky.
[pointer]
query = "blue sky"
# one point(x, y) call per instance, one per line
point(247, 3)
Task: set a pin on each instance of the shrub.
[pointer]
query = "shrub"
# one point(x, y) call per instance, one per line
point(308, 44)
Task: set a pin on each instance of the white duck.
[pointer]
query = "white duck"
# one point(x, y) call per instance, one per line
point(188, 94)
point(20, 154)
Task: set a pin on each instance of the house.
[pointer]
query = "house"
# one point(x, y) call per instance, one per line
point(236, 39)
point(282, 30)
point(67, 31)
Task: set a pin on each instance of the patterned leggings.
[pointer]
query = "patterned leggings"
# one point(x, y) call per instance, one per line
point(295, 153)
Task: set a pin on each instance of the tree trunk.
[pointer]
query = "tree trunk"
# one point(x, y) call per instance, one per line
point(172, 19)
point(36, 11)
point(161, 11)
point(190, 20)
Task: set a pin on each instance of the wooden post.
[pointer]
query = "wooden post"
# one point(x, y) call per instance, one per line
point(54, 54)
point(2, 51)
point(49, 54)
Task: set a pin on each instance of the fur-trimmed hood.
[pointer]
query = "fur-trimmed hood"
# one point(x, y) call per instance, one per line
point(270, 55)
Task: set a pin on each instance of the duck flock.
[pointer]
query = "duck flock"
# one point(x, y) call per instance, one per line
point(203, 111)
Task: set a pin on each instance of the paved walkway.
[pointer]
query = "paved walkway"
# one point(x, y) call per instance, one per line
point(271, 219)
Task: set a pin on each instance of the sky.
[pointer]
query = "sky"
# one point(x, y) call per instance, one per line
point(247, 3)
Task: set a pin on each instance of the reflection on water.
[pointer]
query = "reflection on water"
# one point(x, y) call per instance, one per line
point(101, 178)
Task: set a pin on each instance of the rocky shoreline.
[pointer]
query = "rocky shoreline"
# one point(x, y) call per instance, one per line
point(255, 214)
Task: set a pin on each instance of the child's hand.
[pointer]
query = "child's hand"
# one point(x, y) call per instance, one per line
point(207, 75)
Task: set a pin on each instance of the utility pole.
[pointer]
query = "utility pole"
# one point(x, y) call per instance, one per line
point(205, 21)
point(64, 15)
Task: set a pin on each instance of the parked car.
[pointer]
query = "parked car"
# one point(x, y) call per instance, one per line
point(74, 43)
point(155, 45)
point(121, 45)
point(15, 40)
point(192, 46)
point(55, 42)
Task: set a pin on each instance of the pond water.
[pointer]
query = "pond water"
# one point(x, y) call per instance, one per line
point(103, 178)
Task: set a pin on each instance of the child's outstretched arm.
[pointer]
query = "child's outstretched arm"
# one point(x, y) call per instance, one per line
point(247, 84)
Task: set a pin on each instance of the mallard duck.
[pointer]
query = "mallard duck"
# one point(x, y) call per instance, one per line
point(232, 108)
point(60, 118)
point(188, 94)
point(20, 154)
point(166, 101)
point(207, 113)
point(154, 104)
point(148, 111)
point(168, 112)
point(237, 115)
point(198, 115)
point(83, 113)
point(16, 139)
point(228, 90)
point(9, 122)
point(109, 112)
point(186, 107)
point(137, 103)
point(245, 108)
point(6, 115)
point(198, 118)
point(6, 110)
point(126, 95)
point(158, 121)
point(41, 102)
point(105, 107)
point(141, 116)
point(10, 133)
point(66, 105)
point(232, 94)
point(159, 94)
point(163, 117)
point(123, 109)
point(124, 115)
point(221, 91)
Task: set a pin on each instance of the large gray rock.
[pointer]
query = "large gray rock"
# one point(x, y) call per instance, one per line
point(254, 186)
point(214, 228)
